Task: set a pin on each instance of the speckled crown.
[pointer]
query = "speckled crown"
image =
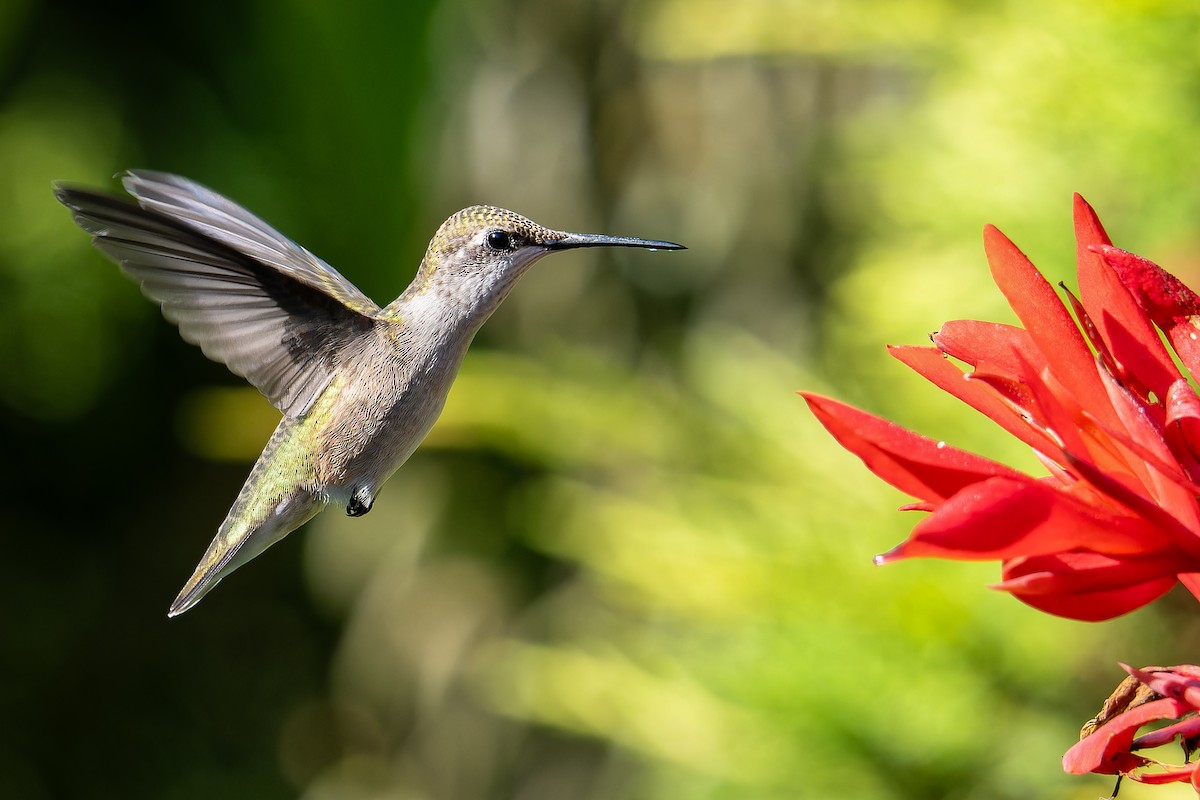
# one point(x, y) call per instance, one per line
point(466, 223)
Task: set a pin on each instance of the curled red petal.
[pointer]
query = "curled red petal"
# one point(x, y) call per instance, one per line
point(1167, 300)
point(1084, 571)
point(1188, 729)
point(1092, 606)
point(1182, 404)
point(1102, 751)
point(1089, 586)
point(1159, 293)
point(1172, 682)
point(1004, 518)
point(1179, 775)
point(1004, 357)
point(974, 342)
point(934, 366)
point(1183, 426)
point(917, 465)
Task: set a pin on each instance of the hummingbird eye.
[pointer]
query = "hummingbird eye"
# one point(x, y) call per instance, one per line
point(499, 240)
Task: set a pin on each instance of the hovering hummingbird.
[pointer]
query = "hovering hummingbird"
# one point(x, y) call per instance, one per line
point(359, 386)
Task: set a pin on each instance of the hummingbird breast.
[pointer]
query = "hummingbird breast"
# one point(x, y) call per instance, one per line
point(376, 411)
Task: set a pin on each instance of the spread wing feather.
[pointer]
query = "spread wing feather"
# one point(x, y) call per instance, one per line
point(218, 217)
point(249, 297)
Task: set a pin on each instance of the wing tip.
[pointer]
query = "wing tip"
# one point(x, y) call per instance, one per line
point(70, 194)
point(64, 190)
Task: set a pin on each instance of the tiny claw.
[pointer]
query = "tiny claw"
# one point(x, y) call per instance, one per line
point(360, 502)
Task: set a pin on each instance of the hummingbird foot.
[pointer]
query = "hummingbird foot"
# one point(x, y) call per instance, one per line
point(360, 503)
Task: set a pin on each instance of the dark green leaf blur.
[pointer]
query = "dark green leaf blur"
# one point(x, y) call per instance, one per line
point(627, 564)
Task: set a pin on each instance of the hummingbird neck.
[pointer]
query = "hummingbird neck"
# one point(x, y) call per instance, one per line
point(448, 298)
point(440, 310)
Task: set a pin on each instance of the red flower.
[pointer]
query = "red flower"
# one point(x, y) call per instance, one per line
point(1107, 743)
point(1099, 399)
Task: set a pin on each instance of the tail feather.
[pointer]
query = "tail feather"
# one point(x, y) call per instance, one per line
point(240, 539)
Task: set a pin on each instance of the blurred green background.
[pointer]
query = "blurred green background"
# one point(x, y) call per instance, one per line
point(627, 563)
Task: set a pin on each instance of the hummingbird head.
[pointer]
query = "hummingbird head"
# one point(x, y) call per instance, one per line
point(477, 254)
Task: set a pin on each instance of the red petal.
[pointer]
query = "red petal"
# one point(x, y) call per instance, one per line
point(930, 363)
point(1100, 605)
point(1007, 359)
point(1183, 425)
point(1165, 298)
point(1088, 230)
point(1158, 292)
point(1089, 586)
point(1189, 672)
point(1112, 740)
point(1047, 321)
point(976, 342)
point(914, 464)
point(1080, 432)
point(1182, 404)
point(1099, 345)
point(1172, 682)
point(1154, 463)
point(1188, 729)
point(1168, 776)
point(1191, 582)
point(1003, 357)
point(1005, 518)
point(1084, 571)
point(1125, 328)
point(1183, 538)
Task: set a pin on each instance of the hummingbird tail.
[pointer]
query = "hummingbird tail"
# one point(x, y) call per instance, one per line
point(240, 539)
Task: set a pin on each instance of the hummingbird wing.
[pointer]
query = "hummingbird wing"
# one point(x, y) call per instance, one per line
point(247, 295)
point(218, 217)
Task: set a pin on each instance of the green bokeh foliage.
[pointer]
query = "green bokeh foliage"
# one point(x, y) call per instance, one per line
point(627, 564)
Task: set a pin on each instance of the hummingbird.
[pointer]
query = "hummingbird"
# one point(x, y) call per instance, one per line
point(359, 386)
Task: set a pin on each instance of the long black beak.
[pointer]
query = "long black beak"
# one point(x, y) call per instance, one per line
point(573, 240)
